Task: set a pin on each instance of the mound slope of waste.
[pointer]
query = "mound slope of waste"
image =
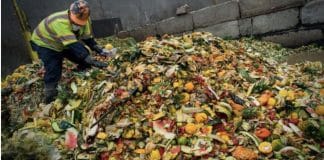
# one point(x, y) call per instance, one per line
point(194, 96)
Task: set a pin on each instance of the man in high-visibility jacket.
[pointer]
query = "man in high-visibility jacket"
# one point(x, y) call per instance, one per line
point(59, 36)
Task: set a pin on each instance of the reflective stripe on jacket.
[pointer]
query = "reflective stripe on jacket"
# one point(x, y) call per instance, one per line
point(55, 32)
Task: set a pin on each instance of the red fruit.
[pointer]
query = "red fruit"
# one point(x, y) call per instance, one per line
point(181, 130)
point(104, 156)
point(220, 127)
point(272, 115)
point(200, 80)
point(161, 150)
point(175, 149)
point(71, 139)
point(294, 121)
point(235, 141)
point(262, 133)
point(119, 92)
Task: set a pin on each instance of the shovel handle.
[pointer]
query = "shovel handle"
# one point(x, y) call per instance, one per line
point(132, 92)
point(102, 117)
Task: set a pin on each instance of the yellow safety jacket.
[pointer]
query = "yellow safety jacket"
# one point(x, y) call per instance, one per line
point(55, 32)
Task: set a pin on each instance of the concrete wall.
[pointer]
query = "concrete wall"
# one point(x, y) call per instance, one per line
point(13, 49)
point(289, 22)
point(133, 13)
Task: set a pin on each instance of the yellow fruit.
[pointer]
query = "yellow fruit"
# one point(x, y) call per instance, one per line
point(157, 80)
point(283, 93)
point(241, 153)
point(187, 39)
point(129, 134)
point(228, 86)
point(265, 147)
point(191, 128)
point(263, 99)
point(221, 73)
point(102, 135)
point(155, 155)
point(185, 97)
point(189, 86)
point(294, 115)
point(224, 136)
point(206, 129)
point(320, 110)
point(109, 46)
point(291, 95)
point(177, 84)
point(139, 151)
point(271, 102)
point(200, 117)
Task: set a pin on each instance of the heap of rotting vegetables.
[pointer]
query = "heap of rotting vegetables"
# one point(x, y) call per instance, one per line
point(194, 96)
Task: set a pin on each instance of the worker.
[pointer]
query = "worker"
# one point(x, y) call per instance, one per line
point(59, 36)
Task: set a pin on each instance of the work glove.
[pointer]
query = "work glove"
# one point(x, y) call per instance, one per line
point(97, 49)
point(89, 60)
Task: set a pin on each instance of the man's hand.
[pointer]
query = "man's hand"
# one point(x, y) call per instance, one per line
point(95, 63)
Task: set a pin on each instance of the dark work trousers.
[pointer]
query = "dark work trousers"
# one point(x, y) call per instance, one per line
point(53, 63)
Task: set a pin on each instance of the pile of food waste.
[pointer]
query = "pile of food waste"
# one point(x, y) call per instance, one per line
point(194, 96)
point(274, 51)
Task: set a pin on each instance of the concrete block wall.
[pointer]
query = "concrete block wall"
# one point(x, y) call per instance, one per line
point(289, 22)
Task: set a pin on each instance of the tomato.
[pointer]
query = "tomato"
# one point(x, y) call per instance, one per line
point(262, 133)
